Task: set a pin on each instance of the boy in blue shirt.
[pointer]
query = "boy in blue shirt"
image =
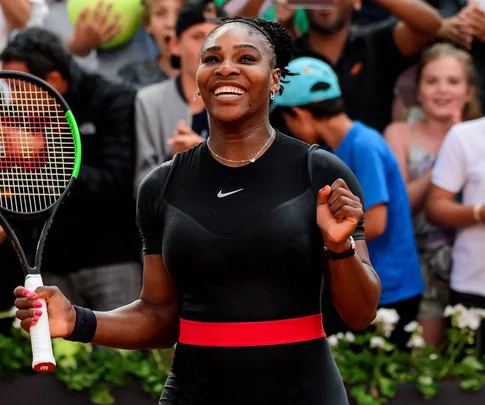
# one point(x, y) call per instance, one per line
point(313, 111)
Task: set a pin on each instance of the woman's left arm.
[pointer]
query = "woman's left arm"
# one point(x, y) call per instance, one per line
point(17, 12)
point(355, 286)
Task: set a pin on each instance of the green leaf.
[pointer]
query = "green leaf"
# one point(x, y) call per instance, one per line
point(387, 387)
point(100, 395)
point(361, 396)
point(472, 363)
point(471, 384)
point(427, 386)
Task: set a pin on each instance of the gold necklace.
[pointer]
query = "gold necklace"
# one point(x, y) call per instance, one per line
point(252, 160)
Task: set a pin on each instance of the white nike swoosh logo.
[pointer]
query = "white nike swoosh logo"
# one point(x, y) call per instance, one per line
point(220, 194)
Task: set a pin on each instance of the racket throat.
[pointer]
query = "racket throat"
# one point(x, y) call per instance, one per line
point(29, 234)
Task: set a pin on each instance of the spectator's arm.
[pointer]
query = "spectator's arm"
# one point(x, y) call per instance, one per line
point(456, 30)
point(16, 12)
point(113, 171)
point(448, 178)
point(417, 27)
point(376, 221)
point(397, 137)
point(443, 209)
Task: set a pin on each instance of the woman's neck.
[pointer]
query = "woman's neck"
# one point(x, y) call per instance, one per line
point(238, 142)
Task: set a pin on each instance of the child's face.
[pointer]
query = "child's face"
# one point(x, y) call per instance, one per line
point(163, 16)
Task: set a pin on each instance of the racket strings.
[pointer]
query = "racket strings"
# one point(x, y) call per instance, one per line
point(37, 151)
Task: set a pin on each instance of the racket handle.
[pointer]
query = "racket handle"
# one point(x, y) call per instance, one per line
point(40, 335)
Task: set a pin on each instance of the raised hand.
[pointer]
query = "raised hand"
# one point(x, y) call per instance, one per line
point(94, 28)
point(456, 29)
point(338, 212)
point(474, 18)
point(183, 138)
point(62, 316)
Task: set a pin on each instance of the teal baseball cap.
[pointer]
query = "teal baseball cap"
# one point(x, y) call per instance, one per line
point(315, 81)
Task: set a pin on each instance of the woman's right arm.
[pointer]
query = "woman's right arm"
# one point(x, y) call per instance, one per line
point(397, 136)
point(150, 322)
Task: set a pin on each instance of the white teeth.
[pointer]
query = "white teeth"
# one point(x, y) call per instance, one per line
point(228, 90)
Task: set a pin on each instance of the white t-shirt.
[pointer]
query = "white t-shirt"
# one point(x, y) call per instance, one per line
point(39, 11)
point(461, 167)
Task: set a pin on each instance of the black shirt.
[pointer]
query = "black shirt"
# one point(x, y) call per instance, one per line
point(368, 69)
point(250, 255)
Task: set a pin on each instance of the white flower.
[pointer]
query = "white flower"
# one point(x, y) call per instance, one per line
point(340, 335)
point(416, 341)
point(411, 327)
point(332, 340)
point(456, 310)
point(386, 320)
point(349, 337)
point(387, 316)
point(462, 318)
point(433, 356)
point(387, 329)
point(377, 342)
point(474, 317)
point(449, 310)
point(466, 318)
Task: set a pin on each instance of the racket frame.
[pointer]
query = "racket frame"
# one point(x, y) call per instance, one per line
point(43, 359)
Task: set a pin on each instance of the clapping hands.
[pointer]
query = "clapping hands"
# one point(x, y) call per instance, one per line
point(473, 16)
point(183, 138)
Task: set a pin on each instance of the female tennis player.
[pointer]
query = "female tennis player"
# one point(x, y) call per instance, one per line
point(237, 234)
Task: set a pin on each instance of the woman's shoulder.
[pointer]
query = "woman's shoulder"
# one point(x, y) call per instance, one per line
point(155, 179)
point(318, 158)
point(398, 131)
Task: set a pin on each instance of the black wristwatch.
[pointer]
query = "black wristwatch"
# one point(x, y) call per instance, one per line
point(342, 255)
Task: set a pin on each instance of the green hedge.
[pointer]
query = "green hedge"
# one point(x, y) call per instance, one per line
point(369, 364)
point(84, 367)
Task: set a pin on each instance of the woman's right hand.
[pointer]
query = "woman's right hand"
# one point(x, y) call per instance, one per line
point(62, 316)
point(3, 235)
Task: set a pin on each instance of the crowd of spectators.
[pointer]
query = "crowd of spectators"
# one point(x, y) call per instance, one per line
point(394, 88)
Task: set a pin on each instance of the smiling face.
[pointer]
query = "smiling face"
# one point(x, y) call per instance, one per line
point(236, 74)
point(443, 88)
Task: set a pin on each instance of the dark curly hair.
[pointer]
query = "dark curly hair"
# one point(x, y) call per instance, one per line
point(273, 34)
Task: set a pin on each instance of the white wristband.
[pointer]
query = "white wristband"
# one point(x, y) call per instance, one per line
point(476, 212)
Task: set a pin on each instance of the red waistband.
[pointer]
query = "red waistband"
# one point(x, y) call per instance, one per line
point(239, 334)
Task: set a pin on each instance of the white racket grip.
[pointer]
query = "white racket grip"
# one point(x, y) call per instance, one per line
point(40, 335)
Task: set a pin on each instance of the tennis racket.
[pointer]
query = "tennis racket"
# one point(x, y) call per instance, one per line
point(40, 157)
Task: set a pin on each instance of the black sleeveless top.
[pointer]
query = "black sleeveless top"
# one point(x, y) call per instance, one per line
point(242, 245)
